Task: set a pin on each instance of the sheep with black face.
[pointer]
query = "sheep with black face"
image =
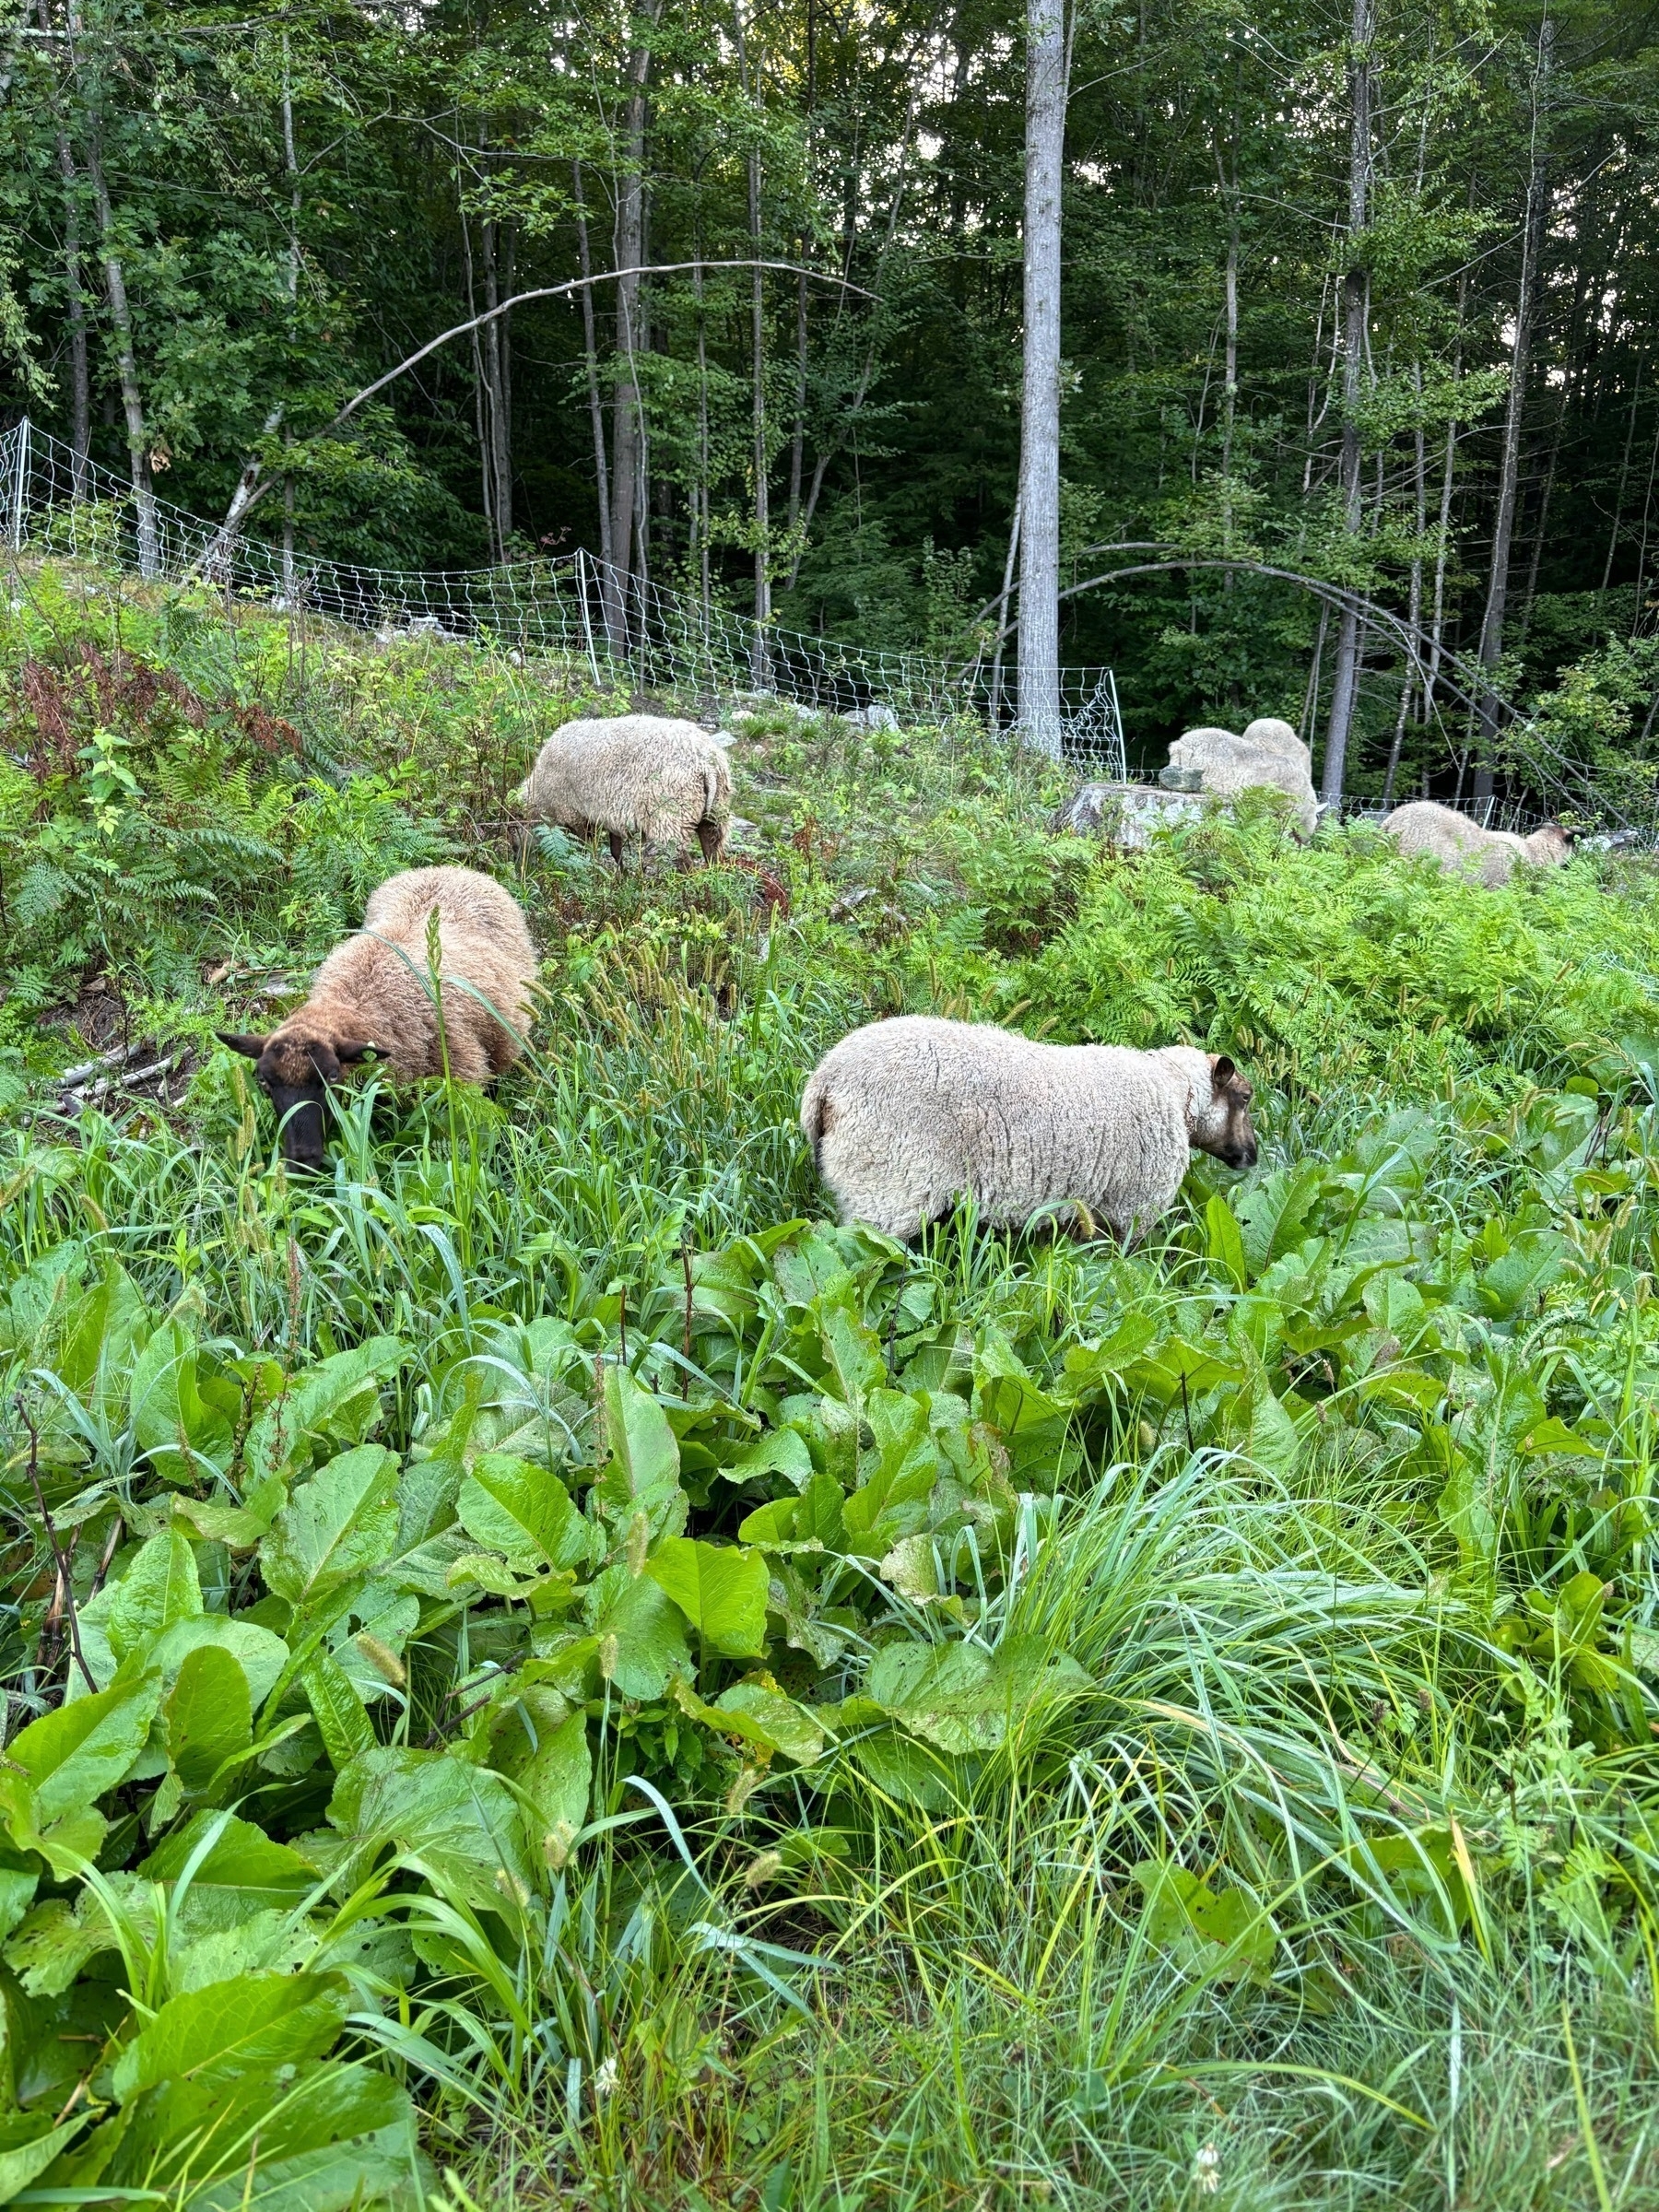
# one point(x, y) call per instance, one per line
point(373, 997)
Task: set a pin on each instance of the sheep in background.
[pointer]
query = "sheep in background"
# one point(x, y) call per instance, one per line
point(373, 994)
point(1485, 856)
point(1269, 754)
point(634, 775)
point(907, 1116)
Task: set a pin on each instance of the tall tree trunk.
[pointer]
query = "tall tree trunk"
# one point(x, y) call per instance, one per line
point(497, 375)
point(628, 240)
point(591, 359)
point(1442, 549)
point(1355, 294)
point(1509, 467)
point(1039, 403)
point(80, 389)
point(700, 498)
point(479, 378)
point(760, 464)
point(1419, 486)
point(1624, 472)
point(127, 360)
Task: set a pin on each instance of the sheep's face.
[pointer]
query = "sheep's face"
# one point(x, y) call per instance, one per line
point(1224, 1126)
point(296, 1070)
point(1551, 845)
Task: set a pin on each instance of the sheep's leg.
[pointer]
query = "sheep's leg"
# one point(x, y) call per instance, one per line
point(615, 849)
point(708, 836)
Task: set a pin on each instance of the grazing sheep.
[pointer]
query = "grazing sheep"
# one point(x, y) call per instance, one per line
point(907, 1116)
point(373, 994)
point(1269, 754)
point(635, 775)
point(1485, 856)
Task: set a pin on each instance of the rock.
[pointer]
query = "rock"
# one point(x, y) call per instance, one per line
point(1181, 779)
point(1126, 814)
point(873, 717)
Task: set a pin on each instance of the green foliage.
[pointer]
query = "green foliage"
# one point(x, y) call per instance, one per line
point(557, 1625)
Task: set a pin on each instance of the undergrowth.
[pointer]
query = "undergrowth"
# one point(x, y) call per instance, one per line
point(584, 1680)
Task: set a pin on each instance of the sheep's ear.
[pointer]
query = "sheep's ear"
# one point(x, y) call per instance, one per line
point(347, 1053)
point(250, 1048)
point(1222, 1073)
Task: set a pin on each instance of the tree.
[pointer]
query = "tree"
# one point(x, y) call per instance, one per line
point(1039, 405)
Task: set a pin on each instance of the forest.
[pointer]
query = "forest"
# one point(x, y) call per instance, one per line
point(1359, 296)
point(545, 1658)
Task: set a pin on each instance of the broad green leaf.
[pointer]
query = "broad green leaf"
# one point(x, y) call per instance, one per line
point(183, 1435)
point(1553, 1435)
point(244, 2025)
point(1224, 1936)
point(643, 1470)
point(1273, 1441)
point(641, 1632)
point(29, 2143)
point(334, 1401)
point(757, 1714)
point(208, 1714)
point(340, 2139)
point(781, 1452)
point(160, 1586)
point(1226, 1243)
point(340, 1525)
point(71, 1757)
point(854, 1354)
point(244, 1870)
point(558, 1779)
point(510, 1506)
point(460, 1821)
point(346, 1730)
point(261, 1655)
point(56, 1941)
point(721, 1590)
point(963, 1698)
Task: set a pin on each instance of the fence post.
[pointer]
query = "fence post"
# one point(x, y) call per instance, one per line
point(587, 622)
point(19, 488)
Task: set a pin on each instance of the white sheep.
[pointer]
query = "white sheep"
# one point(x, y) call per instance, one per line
point(907, 1116)
point(1421, 828)
point(1268, 755)
point(373, 995)
point(634, 775)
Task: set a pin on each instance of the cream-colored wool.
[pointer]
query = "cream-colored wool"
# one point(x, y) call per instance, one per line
point(373, 997)
point(1230, 764)
point(635, 775)
point(373, 989)
point(907, 1116)
point(1485, 856)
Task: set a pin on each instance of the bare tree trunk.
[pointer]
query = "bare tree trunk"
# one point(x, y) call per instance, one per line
point(750, 82)
point(590, 358)
point(1647, 512)
point(700, 507)
point(80, 401)
point(1419, 485)
point(496, 373)
point(994, 715)
point(628, 240)
point(126, 363)
point(1039, 407)
point(1355, 293)
point(1624, 471)
point(1508, 467)
point(1442, 551)
point(480, 386)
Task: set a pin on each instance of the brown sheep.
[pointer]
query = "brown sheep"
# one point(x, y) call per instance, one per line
point(373, 995)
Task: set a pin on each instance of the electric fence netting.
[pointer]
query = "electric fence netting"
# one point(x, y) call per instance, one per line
point(631, 633)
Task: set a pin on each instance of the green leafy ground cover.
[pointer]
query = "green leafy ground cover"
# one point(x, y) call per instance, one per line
point(584, 1679)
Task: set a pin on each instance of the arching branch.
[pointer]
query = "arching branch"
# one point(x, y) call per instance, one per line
point(545, 291)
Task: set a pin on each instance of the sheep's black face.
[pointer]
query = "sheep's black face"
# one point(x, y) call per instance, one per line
point(1226, 1130)
point(296, 1073)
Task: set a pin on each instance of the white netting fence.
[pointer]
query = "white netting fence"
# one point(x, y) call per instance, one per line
point(628, 630)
